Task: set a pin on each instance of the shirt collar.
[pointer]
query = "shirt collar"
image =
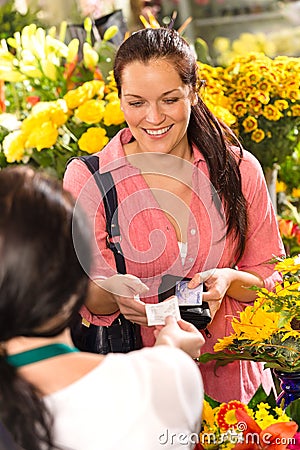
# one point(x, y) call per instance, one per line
point(113, 156)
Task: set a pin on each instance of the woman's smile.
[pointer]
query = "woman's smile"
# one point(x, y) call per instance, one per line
point(158, 132)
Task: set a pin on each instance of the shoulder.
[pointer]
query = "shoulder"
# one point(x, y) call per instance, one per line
point(252, 175)
point(248, 161)
point(110, 158)
point(164, 363)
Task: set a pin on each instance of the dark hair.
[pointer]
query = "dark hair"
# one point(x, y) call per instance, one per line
point(213, 138)
point(39, 273)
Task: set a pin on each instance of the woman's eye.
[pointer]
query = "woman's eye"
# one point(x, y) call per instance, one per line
point(136, 104)
point(170, 100)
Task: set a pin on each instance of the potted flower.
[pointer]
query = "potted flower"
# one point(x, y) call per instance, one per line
point(259, 98)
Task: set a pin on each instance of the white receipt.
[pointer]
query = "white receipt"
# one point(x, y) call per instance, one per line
point(157, 312)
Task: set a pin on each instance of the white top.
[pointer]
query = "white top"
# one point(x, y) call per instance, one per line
point(183, 251)
point(149, 399)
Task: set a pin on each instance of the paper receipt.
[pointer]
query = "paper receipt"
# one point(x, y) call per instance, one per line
point(157, 312)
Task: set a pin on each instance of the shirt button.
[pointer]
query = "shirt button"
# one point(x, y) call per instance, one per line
point(193, 231)
point(191, 259)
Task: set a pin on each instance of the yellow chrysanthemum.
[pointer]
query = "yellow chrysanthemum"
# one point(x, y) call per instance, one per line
point(208, 414)
point(249, 124)
point(295, 110)
point(270, 112)
point(93, 140)
point(258, 135)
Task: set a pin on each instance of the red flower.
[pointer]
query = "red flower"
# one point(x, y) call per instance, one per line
point(276, 436)
point(33, 99)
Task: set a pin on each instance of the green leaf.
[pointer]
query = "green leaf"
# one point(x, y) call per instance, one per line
point(293, 411)
point(259, 396)
point(212, 402)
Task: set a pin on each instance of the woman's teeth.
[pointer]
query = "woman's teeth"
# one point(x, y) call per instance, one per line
point(158, 132)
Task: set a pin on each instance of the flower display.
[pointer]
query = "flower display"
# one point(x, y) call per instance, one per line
point(236, 426)
point(80, 122)
point(269, 330)
point(259, 98)
point(63, 106)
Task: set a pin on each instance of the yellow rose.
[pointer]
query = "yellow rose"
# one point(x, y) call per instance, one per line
point(113, 115)
point(73, 98)
point(93, 140)
point(91, 111)
point(57, 111)
point(34, 121)
point(14, 146)
point(42, 137)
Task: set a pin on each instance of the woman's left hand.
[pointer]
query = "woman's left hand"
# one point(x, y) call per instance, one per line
point(217, 282)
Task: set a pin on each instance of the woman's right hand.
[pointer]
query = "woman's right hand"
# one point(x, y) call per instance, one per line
point(125, 290)
point(180, 334)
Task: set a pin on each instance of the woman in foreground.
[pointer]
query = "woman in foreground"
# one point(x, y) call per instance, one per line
point(51, 395)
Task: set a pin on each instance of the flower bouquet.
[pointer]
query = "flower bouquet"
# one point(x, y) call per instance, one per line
point(80, 122)
point(268, 331)
point(258, 425)
point(63, 107)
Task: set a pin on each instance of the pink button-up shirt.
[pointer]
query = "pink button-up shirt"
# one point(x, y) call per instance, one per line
point(150, 245)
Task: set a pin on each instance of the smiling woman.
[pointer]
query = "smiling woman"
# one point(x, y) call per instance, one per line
point(184, 184)
point(158, 119)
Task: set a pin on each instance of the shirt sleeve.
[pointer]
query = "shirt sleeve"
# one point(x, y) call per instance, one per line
point(263, 241)
point(80, 183)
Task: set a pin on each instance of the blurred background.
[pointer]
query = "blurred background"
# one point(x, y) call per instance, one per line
point(279, 20)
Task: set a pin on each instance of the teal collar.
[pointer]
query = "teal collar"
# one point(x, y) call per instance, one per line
point(39, 354)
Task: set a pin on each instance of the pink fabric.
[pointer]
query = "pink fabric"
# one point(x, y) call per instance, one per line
point(150, 246)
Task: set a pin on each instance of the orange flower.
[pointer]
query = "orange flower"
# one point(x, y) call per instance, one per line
point(286, 227)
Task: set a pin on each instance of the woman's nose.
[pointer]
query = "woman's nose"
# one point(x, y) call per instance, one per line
point(155, 115)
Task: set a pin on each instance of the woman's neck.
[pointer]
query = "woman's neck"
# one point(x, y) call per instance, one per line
point(20, 344)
